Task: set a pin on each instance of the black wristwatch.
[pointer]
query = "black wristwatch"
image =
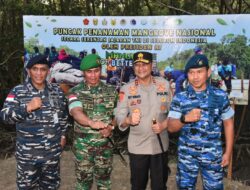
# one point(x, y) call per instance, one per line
point(182, 119)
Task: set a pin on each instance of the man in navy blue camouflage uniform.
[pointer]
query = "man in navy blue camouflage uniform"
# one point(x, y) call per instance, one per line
point(39, 111)
point(199, 113)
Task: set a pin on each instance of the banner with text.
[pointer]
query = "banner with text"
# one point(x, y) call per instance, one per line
point(224, 39)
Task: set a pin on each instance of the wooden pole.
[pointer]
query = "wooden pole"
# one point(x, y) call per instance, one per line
point(230, 166)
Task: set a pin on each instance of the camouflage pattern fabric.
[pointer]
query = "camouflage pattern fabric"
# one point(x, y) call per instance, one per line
point(38, 133)
point(93, 153)
point(28, 175)
point(92, 162)
point(200, 146)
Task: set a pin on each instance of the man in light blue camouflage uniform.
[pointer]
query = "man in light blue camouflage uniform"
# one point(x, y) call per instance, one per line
point(199, 113)
point(39, 111)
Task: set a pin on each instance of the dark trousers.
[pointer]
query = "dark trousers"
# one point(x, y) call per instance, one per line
point(142, 165)
point(42, 176)
point(228, 83)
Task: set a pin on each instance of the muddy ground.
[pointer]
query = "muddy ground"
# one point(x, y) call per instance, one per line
point(120, 175)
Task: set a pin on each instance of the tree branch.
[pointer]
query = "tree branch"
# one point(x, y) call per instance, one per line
point(228, 7)
point(174, 8)
point(149, 8)
point(248, 5)
point(13, 53)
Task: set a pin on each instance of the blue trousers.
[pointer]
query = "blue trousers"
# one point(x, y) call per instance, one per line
point(207, 162)
point(43, 175)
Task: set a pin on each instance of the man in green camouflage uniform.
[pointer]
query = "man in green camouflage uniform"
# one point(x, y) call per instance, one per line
point(91, 104)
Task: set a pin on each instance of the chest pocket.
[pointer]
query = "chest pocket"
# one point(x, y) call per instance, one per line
point(87, 102)
point(25, 100)
point(56, 101)
point(164, 101)
point(215, 105)
point(33, 116)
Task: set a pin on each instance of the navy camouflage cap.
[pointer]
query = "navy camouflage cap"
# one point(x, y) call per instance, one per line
point(144, 57)
point(197, 61)
point(38, 59)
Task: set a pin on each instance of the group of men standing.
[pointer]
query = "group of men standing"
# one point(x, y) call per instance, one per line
point(145, 105)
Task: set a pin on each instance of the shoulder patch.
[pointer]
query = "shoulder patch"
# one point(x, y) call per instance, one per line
point(72, 97)
point(10, 97)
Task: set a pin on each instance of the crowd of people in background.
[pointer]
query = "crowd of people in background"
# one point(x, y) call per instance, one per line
point(222, 73)
point(68, 70)
point(147, 106)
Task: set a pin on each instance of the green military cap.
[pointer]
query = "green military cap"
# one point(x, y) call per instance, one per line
point(197, 61)
point(144, 57)
point(90, 61)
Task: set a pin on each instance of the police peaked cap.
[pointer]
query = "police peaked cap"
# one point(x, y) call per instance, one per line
point(144, 57)
point(38, 59)
point(90, 61)
point(196, 61)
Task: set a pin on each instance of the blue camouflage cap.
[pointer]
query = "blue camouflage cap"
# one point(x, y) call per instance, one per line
point(38, 59)
point(197, 61)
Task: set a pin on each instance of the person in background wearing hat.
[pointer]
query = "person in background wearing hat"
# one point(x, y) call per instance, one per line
point(53, 55)
point(93, 51)
point(198, 50)
point(36, 52)
point(176, 76)
point(199, 113)
point(39, 111)
point(143, 106)
point(227, 71)
point(82, 54)
point(91, 103)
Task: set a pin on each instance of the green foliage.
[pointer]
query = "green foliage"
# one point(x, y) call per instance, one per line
point(235, 48)
point(32, 42)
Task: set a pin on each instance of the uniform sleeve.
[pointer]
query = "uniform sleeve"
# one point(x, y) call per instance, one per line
point(175, 108)
point(122, 108)
point(64, 122)
point(13, 110)
point(115, 102)
point(170, 94)
point(227, 110)
point(73, 100)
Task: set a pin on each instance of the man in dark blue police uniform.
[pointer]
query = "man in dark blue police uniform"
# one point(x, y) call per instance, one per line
point(39, 111)
point(199, 113)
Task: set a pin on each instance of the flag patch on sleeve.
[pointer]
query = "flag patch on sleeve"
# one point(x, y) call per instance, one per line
point(72, 98)
point(10, 97)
